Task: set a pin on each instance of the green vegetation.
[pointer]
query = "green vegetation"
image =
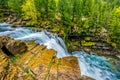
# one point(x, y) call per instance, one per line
point(49, 68)
point(15, 6)
point(71, 17)
point(29, 72)
point(114, 26)
point(30, 12)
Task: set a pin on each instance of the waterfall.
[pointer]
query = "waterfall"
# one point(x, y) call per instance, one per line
point(91, 65)
point(52, 41)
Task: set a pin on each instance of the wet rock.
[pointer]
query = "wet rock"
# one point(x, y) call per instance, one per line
point(69, 69)
point(87, 49)
point(87, 78)
point(73, 48)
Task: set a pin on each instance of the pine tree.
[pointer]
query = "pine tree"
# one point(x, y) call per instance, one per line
point(3, 3)
point(114, 26)
point(65, 10)
point(15, 6)
point(30, 12)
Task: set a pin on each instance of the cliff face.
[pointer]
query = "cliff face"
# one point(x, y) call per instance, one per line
point(30, 61)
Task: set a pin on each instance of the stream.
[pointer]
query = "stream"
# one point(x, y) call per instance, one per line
point(92, 65)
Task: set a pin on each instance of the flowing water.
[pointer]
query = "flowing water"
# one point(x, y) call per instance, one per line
point(97, 67)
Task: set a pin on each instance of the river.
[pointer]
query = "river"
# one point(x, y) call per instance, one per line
point(97, 67)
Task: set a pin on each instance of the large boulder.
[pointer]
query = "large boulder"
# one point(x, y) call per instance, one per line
point(11, 45)
point(16, 47)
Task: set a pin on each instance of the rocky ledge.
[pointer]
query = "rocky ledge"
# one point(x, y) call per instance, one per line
point(30, 61)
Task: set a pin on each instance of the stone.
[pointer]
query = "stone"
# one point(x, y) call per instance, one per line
point(36, 63)
point(16, 46)
point(69, 69)
point(87, 78)
point(1, 45)
point(13, 46)
point(3, 65)
point(5, 39)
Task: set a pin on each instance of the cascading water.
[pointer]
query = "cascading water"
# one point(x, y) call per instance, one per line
point(94, 66)
point(43, 37)
point(97, 67)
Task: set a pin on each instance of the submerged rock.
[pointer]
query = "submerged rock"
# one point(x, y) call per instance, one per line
point(35, 63)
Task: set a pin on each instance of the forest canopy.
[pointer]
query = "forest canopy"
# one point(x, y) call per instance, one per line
point(83, 17)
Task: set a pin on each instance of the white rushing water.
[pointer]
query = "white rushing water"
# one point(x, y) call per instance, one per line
point(52, 41)
point(94, 66)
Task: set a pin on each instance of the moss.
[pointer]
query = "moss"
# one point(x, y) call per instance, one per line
point(30, 73)
point(113, 44)
point(82, 79)
point(73, 43)
point(55, 29)
point(49, 68)
point(84, 43)
point(59, 62)
point(13, 58)
point(17, 44)
point(87, 38)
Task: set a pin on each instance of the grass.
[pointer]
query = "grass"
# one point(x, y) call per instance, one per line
point(29, 72)
point(49, 68)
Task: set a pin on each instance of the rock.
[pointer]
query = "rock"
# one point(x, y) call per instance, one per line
point(1, 45)
point(5, 39)
point(16, 46)
point(3, 64)
point(87, 78)
point(36, 63)
point(73, 48)
point(13, 46)
point(13, 20)
point(87, 49)
point(68, 69)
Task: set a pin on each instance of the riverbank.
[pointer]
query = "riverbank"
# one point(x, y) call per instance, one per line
point(93, 42)
point(99, 43)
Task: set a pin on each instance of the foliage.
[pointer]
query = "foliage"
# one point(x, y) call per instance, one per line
point(77, 17)
point(30, 12)
point(114, 25)
point(3, 3)
point(15, 6)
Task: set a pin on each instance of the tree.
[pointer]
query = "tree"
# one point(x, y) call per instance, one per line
point(51, 9)
point(65, 10)
point(46, 8)
point(3, 3)
point(114, 26)
point(15, 6)
point(30, 12)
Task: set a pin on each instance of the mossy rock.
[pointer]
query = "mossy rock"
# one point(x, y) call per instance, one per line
point(84, 43)
point(87, 38)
